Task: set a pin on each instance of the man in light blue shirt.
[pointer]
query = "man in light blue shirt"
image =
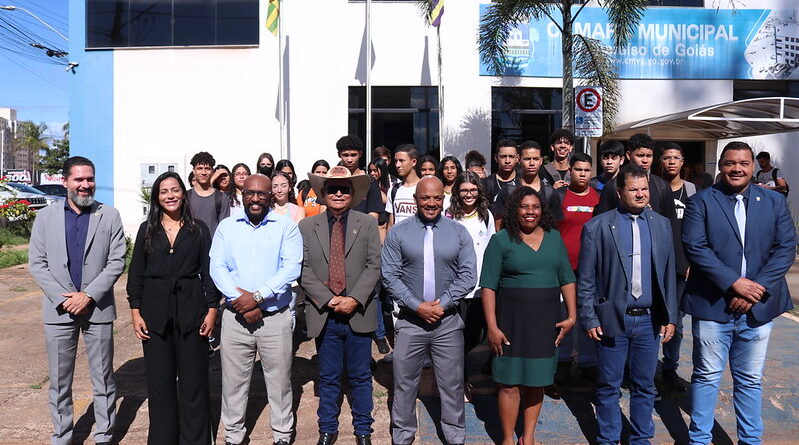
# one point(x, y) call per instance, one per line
point(255, 256)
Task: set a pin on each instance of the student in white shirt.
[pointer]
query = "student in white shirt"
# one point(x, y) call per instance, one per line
point(400, 203)
point(469, 207)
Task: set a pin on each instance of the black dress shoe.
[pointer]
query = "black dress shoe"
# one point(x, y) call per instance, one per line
point(327, 438)
point(363, 439)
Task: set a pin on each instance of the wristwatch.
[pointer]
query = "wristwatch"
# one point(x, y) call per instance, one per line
point(257, 297)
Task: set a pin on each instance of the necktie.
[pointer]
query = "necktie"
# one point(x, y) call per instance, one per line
point(429, 266)
point(337, 277)
point(637, 289)
point(740, 218)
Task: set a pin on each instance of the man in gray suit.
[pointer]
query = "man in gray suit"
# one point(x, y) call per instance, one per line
point(341, 265)
point(428, 265)
point(76, 254)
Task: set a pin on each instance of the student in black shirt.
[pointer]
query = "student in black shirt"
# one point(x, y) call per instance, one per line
point(507, 158)
point(350, 151)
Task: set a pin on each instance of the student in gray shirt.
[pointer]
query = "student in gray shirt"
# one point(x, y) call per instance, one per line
point(207, 204)
point(428, 266)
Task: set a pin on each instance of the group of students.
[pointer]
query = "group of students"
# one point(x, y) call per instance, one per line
point(548, 264)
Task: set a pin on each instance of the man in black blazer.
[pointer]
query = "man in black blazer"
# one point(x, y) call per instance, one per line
point(741, 241)
point(627, 302)
point(340, 268)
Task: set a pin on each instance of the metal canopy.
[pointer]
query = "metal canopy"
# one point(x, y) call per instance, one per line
point(748, 117)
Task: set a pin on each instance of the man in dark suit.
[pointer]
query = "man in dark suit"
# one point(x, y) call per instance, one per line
point(77, 253)
point(340, 268)
point(627, 302)
point(740, 241)
point(640, 151)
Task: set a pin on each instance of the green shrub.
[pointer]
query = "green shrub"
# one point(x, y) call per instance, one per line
point(10, 258)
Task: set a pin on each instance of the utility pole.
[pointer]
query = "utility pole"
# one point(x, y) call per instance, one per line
point(14, 8)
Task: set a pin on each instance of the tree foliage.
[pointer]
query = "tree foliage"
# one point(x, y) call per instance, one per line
point(583, 57)
point(31, 136)
point(53, 157)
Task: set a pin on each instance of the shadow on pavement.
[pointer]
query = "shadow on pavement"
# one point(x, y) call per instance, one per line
point(131, 383)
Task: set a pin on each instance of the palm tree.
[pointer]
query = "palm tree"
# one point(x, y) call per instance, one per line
point(584, 57)
point(31, 138)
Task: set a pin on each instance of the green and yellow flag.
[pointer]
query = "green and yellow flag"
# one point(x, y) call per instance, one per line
point(273, 16)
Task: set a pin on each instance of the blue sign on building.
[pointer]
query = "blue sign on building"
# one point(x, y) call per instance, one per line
point(671, 43)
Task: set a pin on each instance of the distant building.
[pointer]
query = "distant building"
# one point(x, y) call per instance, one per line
point(787, 45)
point(8, 130)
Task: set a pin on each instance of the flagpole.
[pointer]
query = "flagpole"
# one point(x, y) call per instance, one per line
point(440, 97)
point(368, 81)
point(280, 99)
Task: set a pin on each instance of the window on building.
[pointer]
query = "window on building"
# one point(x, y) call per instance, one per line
point(524, 114)
point(750, 89)
point(400, 115)
point(141, 23)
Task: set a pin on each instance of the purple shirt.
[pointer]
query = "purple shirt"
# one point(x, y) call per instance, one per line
point(76, 227)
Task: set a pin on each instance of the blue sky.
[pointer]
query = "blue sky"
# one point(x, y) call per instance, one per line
point(30, 81)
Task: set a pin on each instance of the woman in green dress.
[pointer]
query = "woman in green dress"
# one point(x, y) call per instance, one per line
point(525, 271)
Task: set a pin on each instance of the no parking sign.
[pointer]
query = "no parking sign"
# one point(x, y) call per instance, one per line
point(588, 112)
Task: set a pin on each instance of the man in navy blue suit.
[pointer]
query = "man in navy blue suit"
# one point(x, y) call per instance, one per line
point(740, 241)
point(627, 302)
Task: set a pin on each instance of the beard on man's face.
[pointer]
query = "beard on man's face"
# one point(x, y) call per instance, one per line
point(81, 201)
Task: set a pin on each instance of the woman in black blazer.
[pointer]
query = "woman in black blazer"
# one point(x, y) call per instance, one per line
point(173, 306)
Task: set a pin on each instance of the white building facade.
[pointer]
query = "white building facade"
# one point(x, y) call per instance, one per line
point(152, 93)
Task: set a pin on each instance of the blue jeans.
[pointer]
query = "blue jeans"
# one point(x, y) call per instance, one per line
point(671, 349)
point(745, 343)
point(335, 344)
point(639, 345)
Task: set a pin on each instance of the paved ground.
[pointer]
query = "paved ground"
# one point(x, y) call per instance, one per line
point(24, 414)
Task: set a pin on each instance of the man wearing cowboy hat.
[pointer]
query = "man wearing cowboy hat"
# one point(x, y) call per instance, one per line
point(340, 269)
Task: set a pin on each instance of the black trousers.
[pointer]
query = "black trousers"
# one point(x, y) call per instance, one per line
point(471, 311)
point(177, 388)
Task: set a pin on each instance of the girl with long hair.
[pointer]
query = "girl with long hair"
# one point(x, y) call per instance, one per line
point(265, 164)
point(469, 207)
point(287, 167)
point(448, 169)
point(283, 200)
point(378, 170)
point(221, 179)
point(240, 174)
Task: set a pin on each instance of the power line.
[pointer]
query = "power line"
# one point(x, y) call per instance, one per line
point(32, 72)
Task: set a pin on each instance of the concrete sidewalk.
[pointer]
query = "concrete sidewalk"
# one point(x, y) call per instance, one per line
point(571, 420)
point(25, 418)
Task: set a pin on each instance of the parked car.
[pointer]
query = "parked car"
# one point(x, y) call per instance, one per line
point(36, 199)
point(52, 189)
